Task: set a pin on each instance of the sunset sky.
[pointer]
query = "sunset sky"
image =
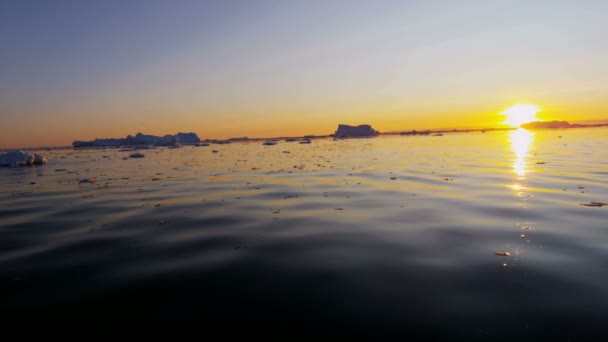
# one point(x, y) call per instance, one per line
point(78, 70)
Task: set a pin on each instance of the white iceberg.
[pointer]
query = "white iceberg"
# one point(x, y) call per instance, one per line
point(20, 158)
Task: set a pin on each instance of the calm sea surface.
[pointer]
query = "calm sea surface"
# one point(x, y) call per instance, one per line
point(384, 235)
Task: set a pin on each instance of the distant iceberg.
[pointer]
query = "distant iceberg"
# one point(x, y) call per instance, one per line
point(355, 131)
point(546, 124)
point(142, 139)
point(561, 124)
point(20, 158)
point(187, 138)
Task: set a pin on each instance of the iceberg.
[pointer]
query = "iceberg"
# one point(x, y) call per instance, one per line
point(141, 139)
point(355, 131)
point(187, 138)
point(546, 124)
point(20, 158)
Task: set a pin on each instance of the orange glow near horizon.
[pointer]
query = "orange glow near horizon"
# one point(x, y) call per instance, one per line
point(279, 122)
point(520, 114)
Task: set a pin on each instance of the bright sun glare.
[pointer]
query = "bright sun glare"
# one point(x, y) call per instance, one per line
point(520, 114)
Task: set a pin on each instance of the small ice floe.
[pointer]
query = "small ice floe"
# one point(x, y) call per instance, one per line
point(215, 151)
point(201, 144)
point(305, 141)
point(269, 143)
point(503, 253)
point(438, 135)
point(291, 139)
point(593, 204)
point(20, 158)
point(87, 180)
point(137, 155)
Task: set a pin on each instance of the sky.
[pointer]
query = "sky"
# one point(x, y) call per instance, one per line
point(80, 70)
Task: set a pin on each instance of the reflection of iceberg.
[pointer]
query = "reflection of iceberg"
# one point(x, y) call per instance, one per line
point(520, 143)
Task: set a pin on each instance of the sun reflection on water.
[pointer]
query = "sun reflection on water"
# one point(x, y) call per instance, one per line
point(521, 140)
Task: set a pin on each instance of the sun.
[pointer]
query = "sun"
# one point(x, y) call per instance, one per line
point(520, 114)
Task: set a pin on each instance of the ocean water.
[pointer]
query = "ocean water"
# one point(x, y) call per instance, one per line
point(388, 235)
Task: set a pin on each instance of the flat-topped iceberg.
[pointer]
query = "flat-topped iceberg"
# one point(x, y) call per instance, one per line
point(546, 124)
point(145, 139)
point(187, 138)
point(99, 142)
point(355, 131)
point(20, 158)
point(142, 139)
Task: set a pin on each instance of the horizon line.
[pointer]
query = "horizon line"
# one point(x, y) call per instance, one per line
point(461, 129)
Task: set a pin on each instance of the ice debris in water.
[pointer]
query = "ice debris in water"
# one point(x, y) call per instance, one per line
point(137, 155)
point(20, 158)
point(594, 204)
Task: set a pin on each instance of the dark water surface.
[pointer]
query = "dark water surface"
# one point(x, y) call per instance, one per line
point(380, 236)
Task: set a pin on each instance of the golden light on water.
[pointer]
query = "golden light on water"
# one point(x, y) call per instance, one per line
point(517, 187)
point(520, 114)
point(521, 140)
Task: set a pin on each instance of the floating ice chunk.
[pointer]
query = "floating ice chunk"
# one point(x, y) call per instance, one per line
point(187, 138)
point(594, 204)
point(355, 131)
point(137, 155)
point(141, 139)
point(20, 158)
